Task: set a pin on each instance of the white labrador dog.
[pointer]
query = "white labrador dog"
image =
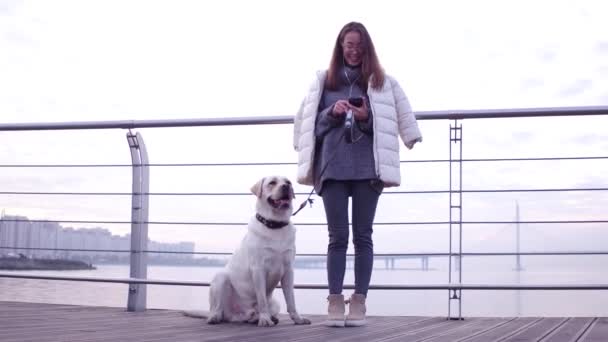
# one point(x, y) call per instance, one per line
point(242, 292)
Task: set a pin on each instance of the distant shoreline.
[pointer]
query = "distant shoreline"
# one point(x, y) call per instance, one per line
point(29, 264)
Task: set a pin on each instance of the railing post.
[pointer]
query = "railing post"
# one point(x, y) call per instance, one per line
point(139, 221)
point(455, 216)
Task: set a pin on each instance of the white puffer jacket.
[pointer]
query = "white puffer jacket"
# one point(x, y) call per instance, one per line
point(392, 116)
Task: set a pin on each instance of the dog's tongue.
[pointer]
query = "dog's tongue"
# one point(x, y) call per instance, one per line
point(282, 201)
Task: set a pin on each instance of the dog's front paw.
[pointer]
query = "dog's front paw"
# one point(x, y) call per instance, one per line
point(297, 319)
point(265, 320)
point(214, 318)
point(251, 316)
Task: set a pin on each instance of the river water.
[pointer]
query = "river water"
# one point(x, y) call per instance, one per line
point(380, 302)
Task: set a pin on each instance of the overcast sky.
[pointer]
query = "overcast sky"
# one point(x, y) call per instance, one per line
point(138, 60)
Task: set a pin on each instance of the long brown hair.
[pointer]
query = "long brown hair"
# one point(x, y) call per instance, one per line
point(370, 66)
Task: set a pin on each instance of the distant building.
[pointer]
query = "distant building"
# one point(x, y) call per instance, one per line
point(39, 239)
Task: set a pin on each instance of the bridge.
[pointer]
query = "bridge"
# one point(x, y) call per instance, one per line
point(381, 261)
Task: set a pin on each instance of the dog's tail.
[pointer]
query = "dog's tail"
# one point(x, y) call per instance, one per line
point(196, 314)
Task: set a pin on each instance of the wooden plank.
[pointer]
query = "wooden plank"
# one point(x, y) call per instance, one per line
point(316, 332)
point(203, 331)
point(569, 331)
point(82, 322)
point(197, 329)
point(338, 333)
point(52, 323)
point(537, 330)
point(241, 332)
point(597, 332)
point(24, 322)
point(78, 328)
point(505, 330)
point(462, 332)
point(426, 333)
point(54, 319)
point(374, 324)
point(372, 330)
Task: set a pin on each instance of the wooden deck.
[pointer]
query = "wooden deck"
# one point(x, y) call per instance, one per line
point(48, 322)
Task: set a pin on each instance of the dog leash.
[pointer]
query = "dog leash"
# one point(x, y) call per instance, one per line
point(307, 200)
point(333, 155)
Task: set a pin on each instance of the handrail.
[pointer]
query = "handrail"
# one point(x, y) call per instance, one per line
point(273, 120)
point(420, 254)
point(193, 223)
point(99, 193)
point(291, 163)
point(322, 286)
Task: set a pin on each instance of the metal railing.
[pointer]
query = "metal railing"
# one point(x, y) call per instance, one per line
point(140, 194)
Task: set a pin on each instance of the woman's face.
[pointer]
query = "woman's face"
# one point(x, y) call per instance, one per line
point(352, 47)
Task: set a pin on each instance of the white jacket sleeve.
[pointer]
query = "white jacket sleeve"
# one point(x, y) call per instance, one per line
point(406, 120)
point(297, 123)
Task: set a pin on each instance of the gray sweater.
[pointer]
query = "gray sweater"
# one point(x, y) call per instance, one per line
point(341, 160)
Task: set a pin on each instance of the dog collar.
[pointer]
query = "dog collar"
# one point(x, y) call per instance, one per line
point(271, 223)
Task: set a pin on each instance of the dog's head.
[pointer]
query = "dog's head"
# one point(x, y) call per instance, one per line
point(275, 195)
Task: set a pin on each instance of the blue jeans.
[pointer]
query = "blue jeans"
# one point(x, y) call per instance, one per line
point(335, 196)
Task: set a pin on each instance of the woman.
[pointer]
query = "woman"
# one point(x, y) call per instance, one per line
point(356, 162)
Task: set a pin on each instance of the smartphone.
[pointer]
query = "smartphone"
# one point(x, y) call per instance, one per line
point(356, 101)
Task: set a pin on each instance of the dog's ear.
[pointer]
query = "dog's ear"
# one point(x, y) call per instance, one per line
point(256, 189)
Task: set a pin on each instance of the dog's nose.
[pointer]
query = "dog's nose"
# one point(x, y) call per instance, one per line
point(285, 188)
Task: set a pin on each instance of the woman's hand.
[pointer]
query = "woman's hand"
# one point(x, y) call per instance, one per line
point(360, 113)
point(340, 108)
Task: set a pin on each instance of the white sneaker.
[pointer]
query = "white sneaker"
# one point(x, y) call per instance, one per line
point(335, 311)
point(356, 310)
